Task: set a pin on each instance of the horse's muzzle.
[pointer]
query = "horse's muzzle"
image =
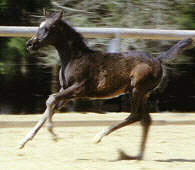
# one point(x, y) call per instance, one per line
point(32, 45)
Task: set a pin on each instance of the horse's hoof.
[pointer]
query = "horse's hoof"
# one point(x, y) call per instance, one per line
point(97, 139)
point(124, 156)
point(21, 146)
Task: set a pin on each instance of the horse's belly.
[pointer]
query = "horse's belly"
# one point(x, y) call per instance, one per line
point(105, 90)
point(109, 83)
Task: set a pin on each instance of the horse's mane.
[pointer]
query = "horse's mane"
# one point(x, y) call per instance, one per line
point(72, 31)
point(73, 35)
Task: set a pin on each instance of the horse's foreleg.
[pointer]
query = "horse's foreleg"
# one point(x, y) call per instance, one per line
point(52, 101)
point(40, 123)
point(49, 123)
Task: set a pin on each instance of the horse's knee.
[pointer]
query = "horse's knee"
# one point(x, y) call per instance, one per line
point(51, 100)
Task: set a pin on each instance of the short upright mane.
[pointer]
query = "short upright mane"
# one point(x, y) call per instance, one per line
point(72, 31)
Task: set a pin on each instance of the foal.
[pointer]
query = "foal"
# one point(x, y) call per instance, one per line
point(86, 73)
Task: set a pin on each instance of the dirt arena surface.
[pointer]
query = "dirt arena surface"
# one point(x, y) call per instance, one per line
point(171, 144)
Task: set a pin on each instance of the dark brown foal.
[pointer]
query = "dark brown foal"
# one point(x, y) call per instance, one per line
point(86, 73)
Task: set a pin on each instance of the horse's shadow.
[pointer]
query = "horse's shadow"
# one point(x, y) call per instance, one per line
point(177, 160)
point(123, 156)
point(100, 160)
point(165, 161)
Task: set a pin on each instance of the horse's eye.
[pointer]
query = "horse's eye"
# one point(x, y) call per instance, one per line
point(46, 29)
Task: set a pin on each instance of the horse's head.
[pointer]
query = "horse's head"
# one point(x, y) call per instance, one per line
point(45, 34)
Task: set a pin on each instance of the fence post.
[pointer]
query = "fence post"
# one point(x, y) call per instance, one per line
point(114, 44)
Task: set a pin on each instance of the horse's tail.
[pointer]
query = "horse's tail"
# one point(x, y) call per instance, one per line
point(176, 50)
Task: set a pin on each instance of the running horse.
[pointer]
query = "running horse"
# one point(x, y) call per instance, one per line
point(90, 74)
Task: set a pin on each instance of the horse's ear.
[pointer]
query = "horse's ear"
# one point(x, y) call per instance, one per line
point(45, 13)
point(60, 15)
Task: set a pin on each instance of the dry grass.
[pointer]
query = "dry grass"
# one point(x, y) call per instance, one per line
point(168, 147)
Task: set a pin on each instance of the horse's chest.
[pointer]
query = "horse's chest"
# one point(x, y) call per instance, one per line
point(75, 72)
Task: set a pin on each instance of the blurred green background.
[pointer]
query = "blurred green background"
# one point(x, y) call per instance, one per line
point(26, 79)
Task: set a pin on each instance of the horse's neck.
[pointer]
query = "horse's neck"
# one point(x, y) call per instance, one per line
point(70, 44)
point(70, 50)
point(64, 57)
point(67, 54)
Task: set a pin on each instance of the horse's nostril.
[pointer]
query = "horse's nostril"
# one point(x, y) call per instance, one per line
point(29, 43)
point(32, 44)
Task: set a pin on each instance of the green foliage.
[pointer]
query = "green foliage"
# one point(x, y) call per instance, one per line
point(13, 53)
point(187, 18)
point(17, 44)
point(12, 56)
point(18, 12)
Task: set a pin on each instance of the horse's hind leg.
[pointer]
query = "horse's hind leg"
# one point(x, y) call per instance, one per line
point(132, 118)
point(145, 122)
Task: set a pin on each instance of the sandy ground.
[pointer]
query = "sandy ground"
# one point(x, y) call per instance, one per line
point(169, 146)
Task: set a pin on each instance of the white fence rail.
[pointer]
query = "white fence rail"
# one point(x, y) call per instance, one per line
point(155, 34)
